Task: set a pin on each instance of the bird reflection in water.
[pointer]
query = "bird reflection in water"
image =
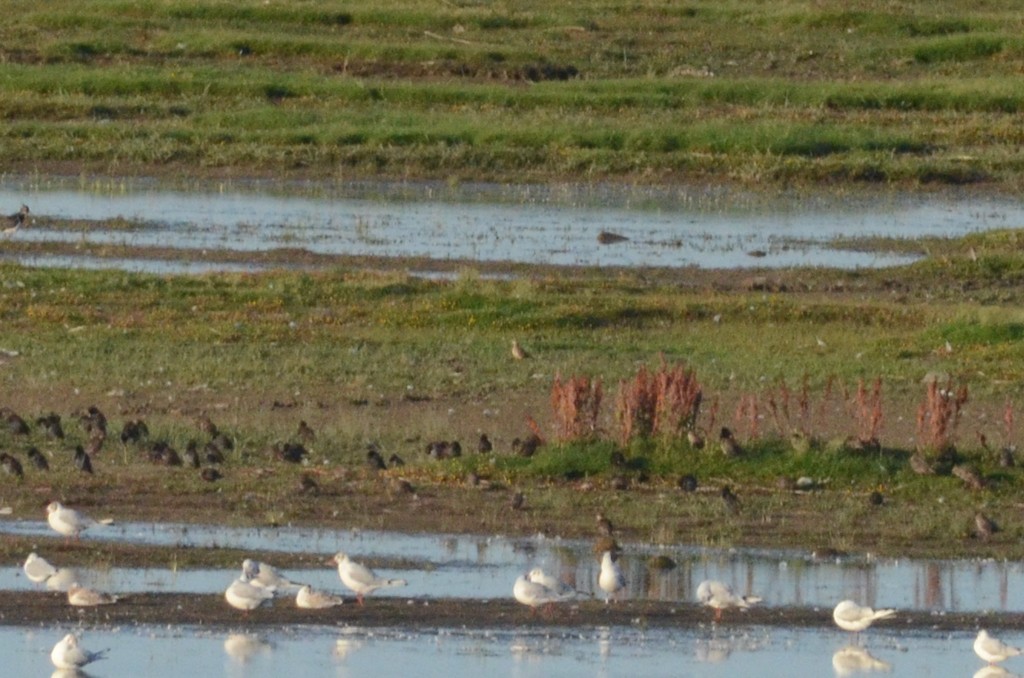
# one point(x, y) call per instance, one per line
point(852, 659)
point(242, 647)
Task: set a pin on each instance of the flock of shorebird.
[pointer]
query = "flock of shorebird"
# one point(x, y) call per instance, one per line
point(259, 583)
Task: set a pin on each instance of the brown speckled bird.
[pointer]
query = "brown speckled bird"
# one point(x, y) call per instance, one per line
point(969, 475)
point(695, 439)
point(517, 501)
point(986, 527)
point(604, 526)
point(305, 433)
point(727, 442)
point(518, 352)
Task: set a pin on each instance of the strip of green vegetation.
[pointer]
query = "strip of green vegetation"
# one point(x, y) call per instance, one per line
point(734, 91)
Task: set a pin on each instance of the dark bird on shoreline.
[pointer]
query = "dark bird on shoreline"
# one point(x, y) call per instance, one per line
point(134, 431)
point(307, 485)
point(50, 425)
point(293, 453)
point(82, 460)
point(305, 433)
point(374, 460)
point(11, 466)
point(37, 459)
point(517, 501)
point(16, 220)
point(484, 446)
point(92, 420)
point(191, 455)
point(727, 441)
point(163, 454)
point(210, 474)
point(732, 502)
point(695, 439)
point(609, 238)
point(688, 482)
point(16, 426)
point(212, 454)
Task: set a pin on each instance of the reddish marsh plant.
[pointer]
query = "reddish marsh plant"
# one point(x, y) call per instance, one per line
point(938, 416)
point(576, 402)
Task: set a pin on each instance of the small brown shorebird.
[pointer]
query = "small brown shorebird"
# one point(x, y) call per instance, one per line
point(16, 220)
point(727, 442)
point(518, 352)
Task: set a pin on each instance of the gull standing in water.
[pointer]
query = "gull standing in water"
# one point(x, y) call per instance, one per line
point(68, 654)
point(611, 579)
point(720, 596)
point(309, 598)
point(850, 616)
point(992, 649)
point(360, 578)
point(68, 521)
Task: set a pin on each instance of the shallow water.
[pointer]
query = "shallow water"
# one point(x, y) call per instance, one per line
point(350, 651)
point(488, 225)
point(461, 566)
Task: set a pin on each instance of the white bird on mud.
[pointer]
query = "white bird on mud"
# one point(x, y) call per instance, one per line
point(244, 595)
point(534, 594)
point(62, 579)
point(68, 521)
point(37, 569)
point(80, 596)
point(266, 576)
point(68, 654)
point(360, 578)
point(557, 586)
point(309, 598)
point(720, 596)
point(992, 649)
point(850, 616)
point(611, 579)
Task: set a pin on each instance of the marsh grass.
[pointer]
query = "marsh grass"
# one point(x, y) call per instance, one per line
point(399, 361)
point(784, 93)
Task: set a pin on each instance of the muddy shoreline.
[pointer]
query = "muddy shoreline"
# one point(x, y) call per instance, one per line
point(30, 608)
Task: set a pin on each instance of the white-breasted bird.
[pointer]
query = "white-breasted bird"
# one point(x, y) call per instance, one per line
point(81, 596)
point(360, 578)
point(243, 595)
point(556, 585)
point(267, 576)
point(69, 654)
point(611, 579)
point(992, 649)
point(533, 594)
point(37, 569)
point(850, 616)
point(309, 598)
point(68, 521)
point(720, 596)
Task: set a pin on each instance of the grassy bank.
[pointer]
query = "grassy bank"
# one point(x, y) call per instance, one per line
point(782, 93)
point(804, 367)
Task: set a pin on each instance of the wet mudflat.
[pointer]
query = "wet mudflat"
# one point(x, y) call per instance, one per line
point(145, 227)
